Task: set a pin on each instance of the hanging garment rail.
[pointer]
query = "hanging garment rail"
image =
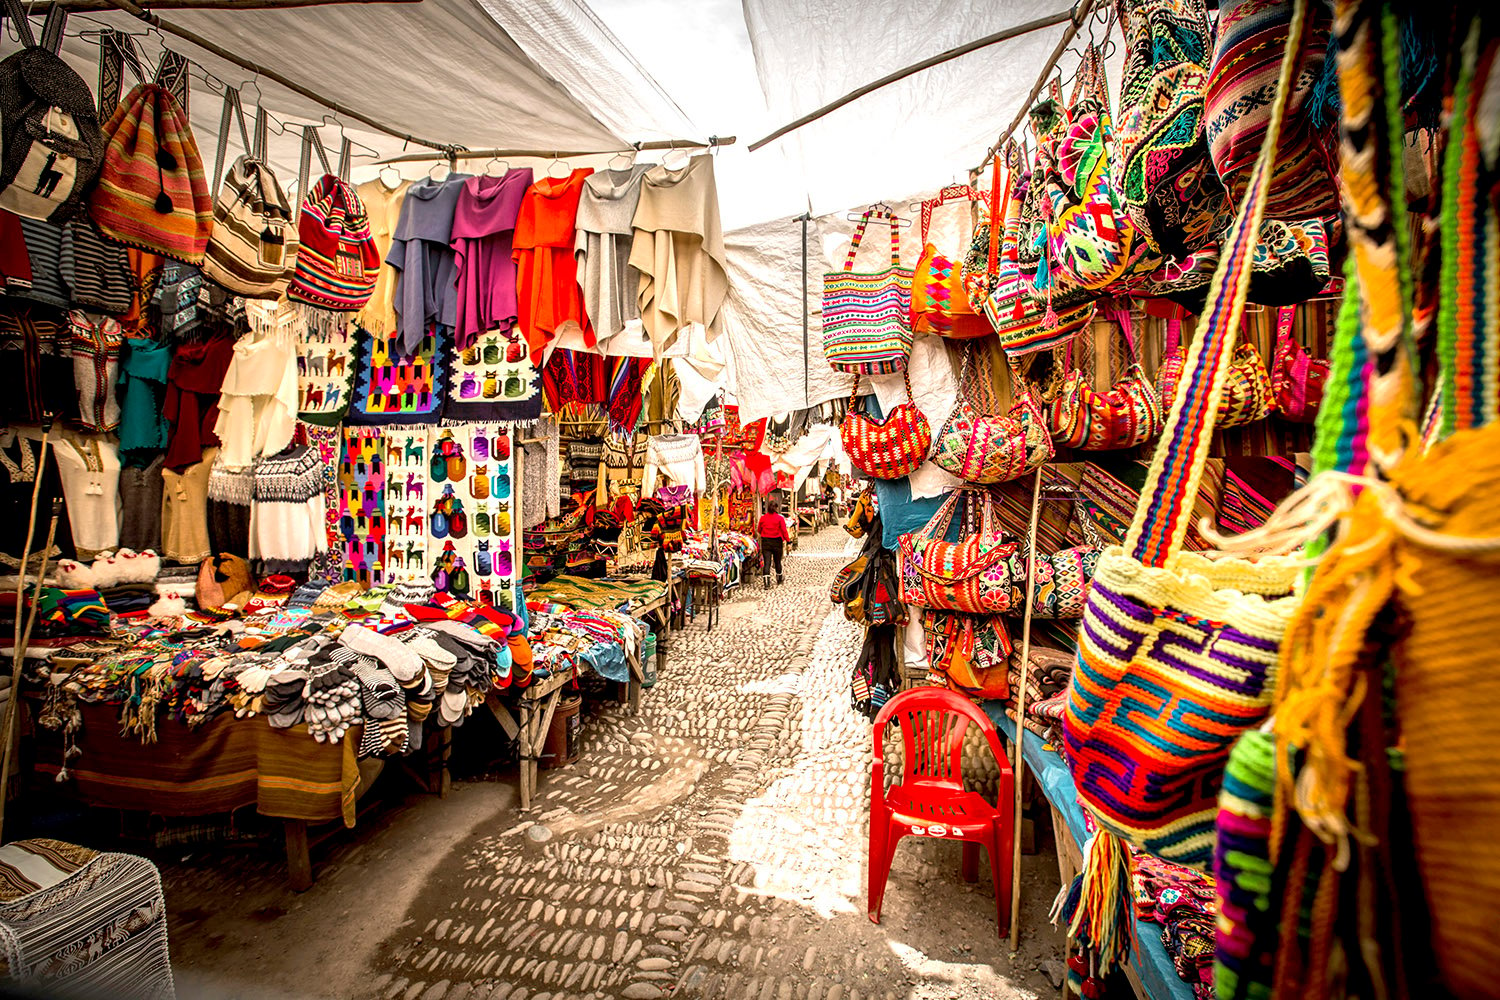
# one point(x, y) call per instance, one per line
point(1014, 31)
point(1082, 12)
point(459, 153)
point(135, 10)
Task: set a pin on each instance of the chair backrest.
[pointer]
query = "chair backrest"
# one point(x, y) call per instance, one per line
point(933, 721)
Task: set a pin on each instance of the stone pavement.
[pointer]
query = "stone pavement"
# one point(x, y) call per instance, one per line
point(714, 845)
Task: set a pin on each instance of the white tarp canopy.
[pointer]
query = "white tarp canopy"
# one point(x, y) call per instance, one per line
point(558, 74)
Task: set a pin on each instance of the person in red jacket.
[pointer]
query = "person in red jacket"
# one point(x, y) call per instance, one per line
point(773, 539)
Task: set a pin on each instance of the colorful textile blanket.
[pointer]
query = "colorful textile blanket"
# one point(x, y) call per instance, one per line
point(606, 592)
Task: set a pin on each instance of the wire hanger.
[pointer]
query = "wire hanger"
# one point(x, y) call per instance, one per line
point(394, 180)
point(628, 154)
point(672, 150)
point(876, 209)
point(504, 167)
point(558, 162)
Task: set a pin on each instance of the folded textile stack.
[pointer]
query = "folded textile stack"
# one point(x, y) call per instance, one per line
point(306, 595)
point(333, 699)
point(129, 598)
point(1184, 902)
point(383, 706)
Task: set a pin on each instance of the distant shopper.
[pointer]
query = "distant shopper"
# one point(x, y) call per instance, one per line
point(773, 539)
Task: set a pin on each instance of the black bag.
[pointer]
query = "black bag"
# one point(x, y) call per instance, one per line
point(51, 145)
point(876, 678)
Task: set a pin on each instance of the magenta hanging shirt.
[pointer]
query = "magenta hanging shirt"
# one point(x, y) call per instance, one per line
point(484, 224)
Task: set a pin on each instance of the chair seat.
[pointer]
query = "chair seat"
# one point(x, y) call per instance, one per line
point(939, 812)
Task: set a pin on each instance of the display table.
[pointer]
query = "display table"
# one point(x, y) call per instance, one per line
point(221, 766)
point(1151, 972)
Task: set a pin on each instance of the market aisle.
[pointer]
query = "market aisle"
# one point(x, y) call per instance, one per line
point(714, 847)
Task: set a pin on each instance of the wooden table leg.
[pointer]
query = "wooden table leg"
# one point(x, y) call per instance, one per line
point(298, 860)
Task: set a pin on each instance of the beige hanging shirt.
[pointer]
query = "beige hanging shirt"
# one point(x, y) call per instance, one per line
point(383, 206)
point(678, 248)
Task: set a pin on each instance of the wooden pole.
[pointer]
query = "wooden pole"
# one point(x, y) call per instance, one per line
point(136, 10)
point(1085, 8)
point(713, 142)
point(1019, 766)
point(1014, 31)
point(13, 707)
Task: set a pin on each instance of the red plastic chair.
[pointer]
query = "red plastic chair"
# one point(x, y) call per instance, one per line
point(931, 800)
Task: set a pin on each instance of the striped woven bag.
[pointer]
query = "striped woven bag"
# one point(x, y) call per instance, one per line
point(1177, 652)
point(940, 304)
point(866, 314)
point(972, 575)
point(1025, 321)
point(892, 448)
point(1247, 396)
point(981, 446)
point(1126, 415)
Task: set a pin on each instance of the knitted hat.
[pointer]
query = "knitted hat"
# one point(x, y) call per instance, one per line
point(151, 192)
point(337, 261)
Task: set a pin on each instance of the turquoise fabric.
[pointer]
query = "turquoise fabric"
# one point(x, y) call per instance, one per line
point(142, 384)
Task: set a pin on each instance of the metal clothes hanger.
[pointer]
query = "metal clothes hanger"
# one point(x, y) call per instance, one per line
point(504, 167)
point(672, 150)
point(876, 208)
point(557, 162)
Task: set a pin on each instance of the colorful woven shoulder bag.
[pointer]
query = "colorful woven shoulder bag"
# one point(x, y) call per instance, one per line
point(981, 446)
point(1024, 322)
point(1247, 395)
point(972, 575)
point(1091, 239)
point(1165, 177)
point(1126, 415)
point(892, 448)
point(1177, 652)
point(1297, 377)
point(939, 303)
point(866, 314)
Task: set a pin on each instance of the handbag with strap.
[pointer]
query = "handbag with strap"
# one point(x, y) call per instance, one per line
point(1128, 414)
point(1297, 377)
point(1164, 176)
point(337, 261)
point(892, 448)
point(252, 250)
point(1060, 585)
point(867, 314)
point(940, 304)
point(1177, 652)
point(1091, 239)
point(152, 193)
point(1247, 395)
point(980, 446)
point(970, 652)
point(1024, 322)
point(972, 575)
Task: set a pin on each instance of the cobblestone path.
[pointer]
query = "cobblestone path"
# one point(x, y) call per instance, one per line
point(713, 846)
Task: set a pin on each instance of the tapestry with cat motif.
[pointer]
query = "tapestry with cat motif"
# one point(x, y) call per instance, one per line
point(493, 379)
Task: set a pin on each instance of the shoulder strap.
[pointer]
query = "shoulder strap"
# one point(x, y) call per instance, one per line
point(859, 234)
point(232, 110)
point(262, 129)
point(1119, 313)
point(53, 28)
point(172, 76)
point(116, 51)
point(311, 132)
point(17, 12)
point(346, 158)
point(953, 192)
point(1286, 316)
point(1161, 516)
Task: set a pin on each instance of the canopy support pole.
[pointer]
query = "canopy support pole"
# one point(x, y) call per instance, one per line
point(1085, 8)
point(1014, 31)
point(445, 153)
point(136, 10)
point(805, 217)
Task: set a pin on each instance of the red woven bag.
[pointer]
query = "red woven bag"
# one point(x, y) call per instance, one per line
point(891, 448)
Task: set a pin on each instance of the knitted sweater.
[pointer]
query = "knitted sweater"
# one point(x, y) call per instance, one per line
point(287, 513)
point(676, 458)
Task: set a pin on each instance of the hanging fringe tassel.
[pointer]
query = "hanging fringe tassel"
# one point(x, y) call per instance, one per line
point(1096, 907)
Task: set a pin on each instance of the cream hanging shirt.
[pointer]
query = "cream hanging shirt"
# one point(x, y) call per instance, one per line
point(383, 206)
point(606, 216)
point(678, 248)
point(258, 404)
point(90, 469)
point(674, 459)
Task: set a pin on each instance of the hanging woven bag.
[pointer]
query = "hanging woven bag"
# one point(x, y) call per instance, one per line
point(1024, 321)
point(981, 446)
point(1247, 394)
point(867, 315)
point(152, 193)
point(1164, 176)
point(892, 448)
point(1177, 652)
point(972, 575)
point(940, 304)
point(1297, 378)
point(1126, 415)
point(252, 250)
